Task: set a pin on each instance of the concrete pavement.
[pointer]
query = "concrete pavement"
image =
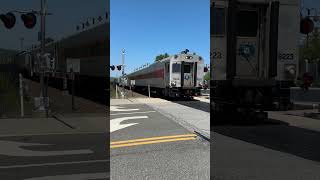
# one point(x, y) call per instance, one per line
point(193, 115)
point(145, 144)
point(286, 147)
point(68, 146)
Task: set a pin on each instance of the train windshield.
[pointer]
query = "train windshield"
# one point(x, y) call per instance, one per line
point(187, 68)
point(176, 68)
point(247, 23)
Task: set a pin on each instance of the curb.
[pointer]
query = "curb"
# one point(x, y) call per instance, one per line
point(63, 122)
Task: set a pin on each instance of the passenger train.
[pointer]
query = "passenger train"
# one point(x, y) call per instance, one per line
point(86, 53)
point(180, 75)
point(254, 54)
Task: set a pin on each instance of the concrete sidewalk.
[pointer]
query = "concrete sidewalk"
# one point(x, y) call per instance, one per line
point(115, 102)
point(88, 116)
point(68, 123)
point(295, 118)
point(13, 127)
point(191, 118)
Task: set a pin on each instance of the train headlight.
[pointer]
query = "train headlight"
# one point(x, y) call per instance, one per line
point(290, 69)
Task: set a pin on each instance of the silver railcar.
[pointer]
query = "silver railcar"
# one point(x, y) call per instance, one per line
point(176, 76)
point(254, 53)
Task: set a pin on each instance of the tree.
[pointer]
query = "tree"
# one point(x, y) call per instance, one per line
point(311, 51)
point(207, 76)
point(161, 56)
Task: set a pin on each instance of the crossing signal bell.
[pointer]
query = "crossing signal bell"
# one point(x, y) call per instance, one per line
point(29, 20)
point(9, 20)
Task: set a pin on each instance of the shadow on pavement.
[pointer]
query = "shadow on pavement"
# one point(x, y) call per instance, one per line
point(196, 104)
point(203, 106)
point(275, 135)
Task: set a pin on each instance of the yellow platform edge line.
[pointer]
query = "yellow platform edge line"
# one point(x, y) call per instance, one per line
point(153, 138)
point(151, 142)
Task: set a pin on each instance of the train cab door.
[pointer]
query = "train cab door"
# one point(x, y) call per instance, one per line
point(188, 76)
point(249, 34)
point(167, 74)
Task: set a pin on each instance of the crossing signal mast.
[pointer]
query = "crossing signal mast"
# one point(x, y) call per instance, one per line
point(29, 19)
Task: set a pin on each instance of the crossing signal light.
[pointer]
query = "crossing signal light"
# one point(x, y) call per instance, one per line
point(29, 20)
point(112, 67)
point(306, 26)
point(9, 20)
point(119, 67)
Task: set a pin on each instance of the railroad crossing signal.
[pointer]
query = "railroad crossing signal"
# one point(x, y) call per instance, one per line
point(119, 67)
point(112, 67)
point(29, 20)
point(306, 26)
point(9, 20)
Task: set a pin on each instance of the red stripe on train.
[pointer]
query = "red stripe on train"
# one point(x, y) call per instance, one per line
point(159, 73)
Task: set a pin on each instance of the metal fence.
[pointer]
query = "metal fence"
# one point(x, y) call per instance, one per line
point(9, 88)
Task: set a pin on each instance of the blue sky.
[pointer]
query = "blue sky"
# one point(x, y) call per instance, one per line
point(146, 28)
point(67, 14)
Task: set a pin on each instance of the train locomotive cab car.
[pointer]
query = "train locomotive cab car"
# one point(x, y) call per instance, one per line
point(254, 53)
point(180, 75)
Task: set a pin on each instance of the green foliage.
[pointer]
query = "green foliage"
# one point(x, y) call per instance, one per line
point(207, 76)
point(311, 51)
point(161, 56)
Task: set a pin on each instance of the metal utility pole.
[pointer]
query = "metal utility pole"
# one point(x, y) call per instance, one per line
point(42, 58)
point(123, 54)
point(21, 44)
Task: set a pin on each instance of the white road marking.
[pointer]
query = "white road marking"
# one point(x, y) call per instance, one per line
point(132, 113)
point(11, 148)
point(41, 134)
point(53, 164)
point(115, 124)
point(73, 177)
point(120, 109)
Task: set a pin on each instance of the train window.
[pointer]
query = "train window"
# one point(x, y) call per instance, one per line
point(187, 68)
point(247, 23)
point(217, 23)
point(176, 68)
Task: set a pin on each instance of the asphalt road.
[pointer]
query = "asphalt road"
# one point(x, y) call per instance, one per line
point(265, 150)
point(147, 145)
point(56, 156)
